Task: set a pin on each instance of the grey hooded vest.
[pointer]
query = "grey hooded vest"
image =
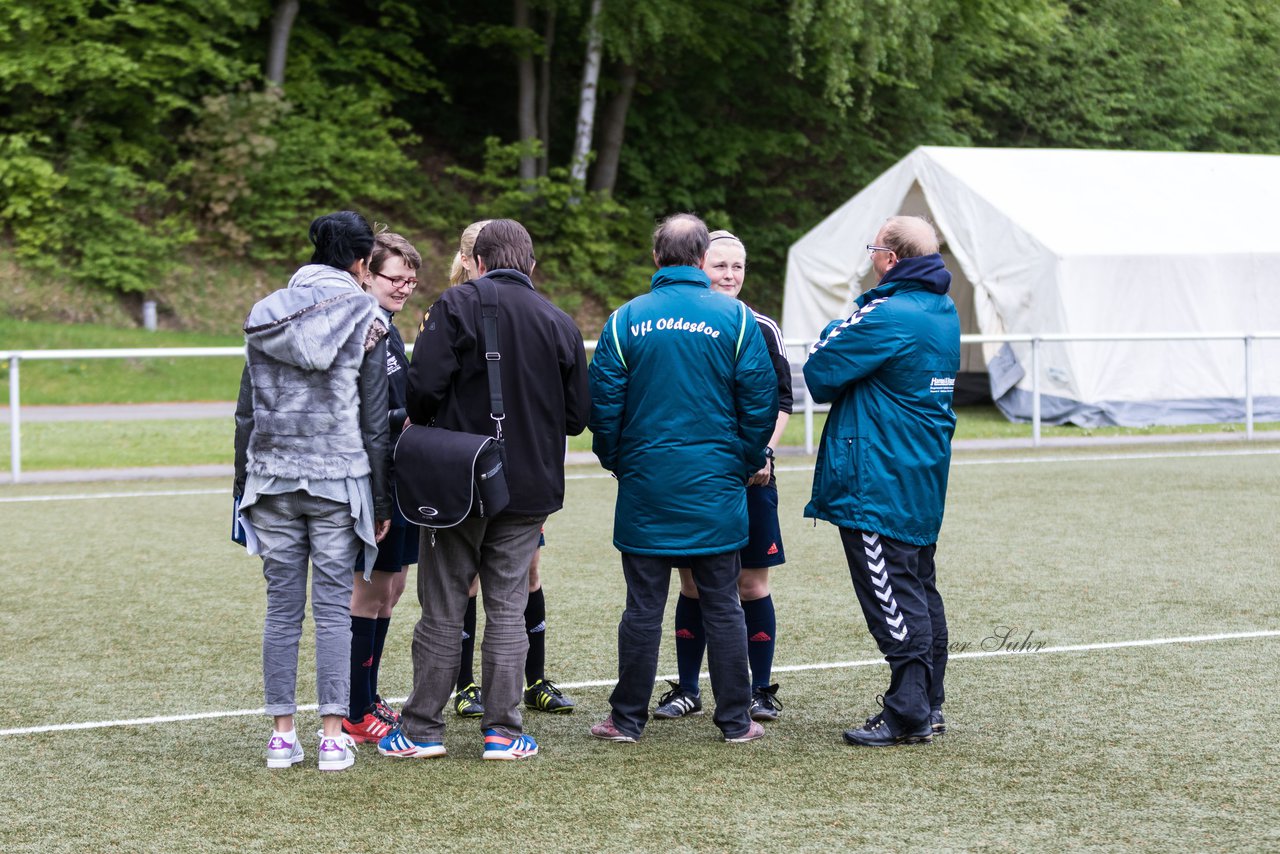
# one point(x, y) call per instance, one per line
point(305, 346)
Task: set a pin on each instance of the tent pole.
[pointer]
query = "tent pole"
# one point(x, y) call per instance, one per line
point(1035, 392)
point(1248, 388)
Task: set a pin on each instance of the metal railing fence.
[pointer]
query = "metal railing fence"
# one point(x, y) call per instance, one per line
point(1247, 339)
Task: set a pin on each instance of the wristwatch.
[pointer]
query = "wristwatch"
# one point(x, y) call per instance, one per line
point(768, 452)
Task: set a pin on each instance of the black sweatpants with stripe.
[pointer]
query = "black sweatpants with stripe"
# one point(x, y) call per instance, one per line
point(897, 589)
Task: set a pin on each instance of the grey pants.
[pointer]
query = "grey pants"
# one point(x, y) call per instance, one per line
point(499, 550)
point(294, 528)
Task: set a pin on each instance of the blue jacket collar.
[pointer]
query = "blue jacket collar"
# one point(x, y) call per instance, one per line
point(926, 273)
point(680, 276)
point(928, 270)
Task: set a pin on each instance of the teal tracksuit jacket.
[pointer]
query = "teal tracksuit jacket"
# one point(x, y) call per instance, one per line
point(683, 401)
point(888, 371)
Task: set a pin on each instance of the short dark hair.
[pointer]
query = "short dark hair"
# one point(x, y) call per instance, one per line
point(680, 240)
point(341, 239)
point(504, 244)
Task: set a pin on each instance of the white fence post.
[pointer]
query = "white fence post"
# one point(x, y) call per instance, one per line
point(1035, 392)
point(15, 433)
point(1248, 388)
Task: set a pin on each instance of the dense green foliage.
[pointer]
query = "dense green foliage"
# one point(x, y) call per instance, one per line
point(138, 140)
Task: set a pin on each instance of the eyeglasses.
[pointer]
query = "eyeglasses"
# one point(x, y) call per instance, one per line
point(873, 249)
point(399, 281)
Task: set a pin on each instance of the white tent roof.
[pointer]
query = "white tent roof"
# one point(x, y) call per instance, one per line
point(1065, 241)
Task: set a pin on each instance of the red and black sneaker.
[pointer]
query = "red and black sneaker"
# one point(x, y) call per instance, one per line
point(369, 728)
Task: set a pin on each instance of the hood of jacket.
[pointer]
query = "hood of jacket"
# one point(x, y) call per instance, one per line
point(927, 270)
point(307, 323)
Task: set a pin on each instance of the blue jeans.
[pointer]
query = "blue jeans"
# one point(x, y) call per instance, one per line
point(640, 635)
point(294, 528)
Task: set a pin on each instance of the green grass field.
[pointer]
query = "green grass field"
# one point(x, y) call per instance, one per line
point(147, 609)
point(123, 444)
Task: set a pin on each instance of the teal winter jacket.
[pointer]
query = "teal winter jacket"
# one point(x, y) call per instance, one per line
point(683, 401)
point(888, 371)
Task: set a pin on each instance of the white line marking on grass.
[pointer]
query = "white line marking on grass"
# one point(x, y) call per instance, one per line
point(604, 683)
point(1077, 458)
point(86, 497)
point(1110, 457)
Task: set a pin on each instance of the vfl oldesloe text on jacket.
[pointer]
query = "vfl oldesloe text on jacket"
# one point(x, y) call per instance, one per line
point(889, 372)
point(683, 400)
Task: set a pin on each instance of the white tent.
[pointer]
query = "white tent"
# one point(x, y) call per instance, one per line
point(1081, 242)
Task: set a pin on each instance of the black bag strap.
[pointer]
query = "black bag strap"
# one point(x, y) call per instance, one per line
point(492, 353)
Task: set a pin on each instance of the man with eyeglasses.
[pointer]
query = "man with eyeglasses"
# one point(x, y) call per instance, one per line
point(888, 371)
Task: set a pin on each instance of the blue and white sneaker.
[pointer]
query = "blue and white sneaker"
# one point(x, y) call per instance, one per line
point(396, 743)
point(499, 746)
point(283, 753)
point(336, 753)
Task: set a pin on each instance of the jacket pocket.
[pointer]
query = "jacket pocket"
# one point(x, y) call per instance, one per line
point(853, 467)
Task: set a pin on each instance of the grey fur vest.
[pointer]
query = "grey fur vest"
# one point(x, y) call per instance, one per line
point(305, 346)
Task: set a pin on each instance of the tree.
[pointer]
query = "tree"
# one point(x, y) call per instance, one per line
point(544, 87)
point(587, 97)
point(278, 47)
point(613, 130)
point(526, 110)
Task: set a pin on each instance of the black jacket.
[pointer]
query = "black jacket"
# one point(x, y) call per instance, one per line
point(544, 382)
point(397, 385)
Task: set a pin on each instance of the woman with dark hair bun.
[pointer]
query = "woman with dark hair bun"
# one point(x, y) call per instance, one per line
point(311, 470)
point(342, 240)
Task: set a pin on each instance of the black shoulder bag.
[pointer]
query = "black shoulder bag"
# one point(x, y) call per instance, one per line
point(446, 476)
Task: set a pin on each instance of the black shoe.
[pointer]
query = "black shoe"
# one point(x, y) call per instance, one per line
point(677, 703)
point(469, 702)
point(765, 705)
point(875, 719)
point(544, 696)
point(883, 735)
point(937, 722)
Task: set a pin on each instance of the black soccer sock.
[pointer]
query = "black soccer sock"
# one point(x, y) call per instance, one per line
point(466, 664)
point(535, 625)
point(691, 642)
point(762, 631)
point(362, 632)
point(379, 641)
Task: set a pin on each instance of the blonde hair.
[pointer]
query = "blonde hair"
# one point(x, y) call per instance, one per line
point(729, 236)
point(466, 248)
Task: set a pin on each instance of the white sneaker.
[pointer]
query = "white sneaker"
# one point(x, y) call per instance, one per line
point(283, 753)
point(337, 753)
